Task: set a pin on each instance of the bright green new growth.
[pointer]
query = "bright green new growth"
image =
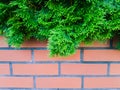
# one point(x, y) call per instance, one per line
point(64, 23)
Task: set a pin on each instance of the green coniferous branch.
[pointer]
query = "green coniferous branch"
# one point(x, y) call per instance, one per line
point(64, 23)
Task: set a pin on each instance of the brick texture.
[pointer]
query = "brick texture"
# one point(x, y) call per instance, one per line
point(4, 69)
point(58, 82)
point(83, 69)
point(15, 55)
point(34, 43)
point(92, 67)
point(16, 82)
point(114, 69)
point(102, 82)
point(35, 69)
point(102, 55)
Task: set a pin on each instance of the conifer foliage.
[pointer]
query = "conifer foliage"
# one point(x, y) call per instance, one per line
point(64, 23)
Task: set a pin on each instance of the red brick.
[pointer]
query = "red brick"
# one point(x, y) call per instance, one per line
point(43, 55)
point(4, 69)
point(102, 55)
point(115, 69)
point(58, 83)
point(3, 43)
point(84, 69)
point(15, 55)
point(35, 69)
point(34, 43)
point(16, 82)
point(102, 82)
point(96, 44)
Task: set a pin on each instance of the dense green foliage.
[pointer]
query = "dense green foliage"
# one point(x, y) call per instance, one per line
point(64, 23)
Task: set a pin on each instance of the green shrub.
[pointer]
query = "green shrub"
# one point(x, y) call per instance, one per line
point(64, 23)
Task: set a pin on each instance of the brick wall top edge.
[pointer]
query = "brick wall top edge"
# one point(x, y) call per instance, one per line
point(35, 43)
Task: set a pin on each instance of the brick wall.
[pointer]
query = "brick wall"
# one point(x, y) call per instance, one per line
point(95, 66)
